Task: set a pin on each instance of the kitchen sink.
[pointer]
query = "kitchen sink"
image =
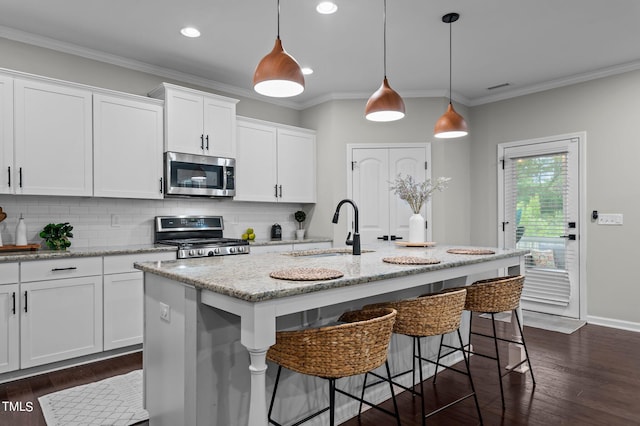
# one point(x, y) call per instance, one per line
point(324, 252)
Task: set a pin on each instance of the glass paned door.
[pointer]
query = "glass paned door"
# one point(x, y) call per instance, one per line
point(540, 215)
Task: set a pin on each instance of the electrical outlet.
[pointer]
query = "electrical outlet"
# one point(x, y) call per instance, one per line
point(115, 221)
point(165, 312)
point(610, 219)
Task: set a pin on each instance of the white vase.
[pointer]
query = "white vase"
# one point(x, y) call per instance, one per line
point(299, 234)
point(416, 228)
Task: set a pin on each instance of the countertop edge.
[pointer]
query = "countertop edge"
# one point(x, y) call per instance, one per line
point(82, 252)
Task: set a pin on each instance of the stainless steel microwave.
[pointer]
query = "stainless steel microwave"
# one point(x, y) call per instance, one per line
point(199, 175)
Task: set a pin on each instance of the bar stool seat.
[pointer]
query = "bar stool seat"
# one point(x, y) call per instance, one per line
point(355, 347)
point(492, 296)
point(430, 315)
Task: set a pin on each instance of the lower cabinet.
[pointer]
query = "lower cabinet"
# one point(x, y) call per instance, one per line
point(60, 319)
point(9, 328)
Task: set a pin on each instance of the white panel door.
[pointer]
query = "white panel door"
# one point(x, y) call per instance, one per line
point(296, 166)
point(7, 181)
point(127, 137)
point(256, 163)
point(371, 192)
point(382, 213)
point(123, 301)
point(60, 319)
point(219, 128)
point(9, 328)
point(53, 146)
point(185, 122)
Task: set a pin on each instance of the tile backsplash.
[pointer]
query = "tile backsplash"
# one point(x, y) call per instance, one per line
point(100, 222)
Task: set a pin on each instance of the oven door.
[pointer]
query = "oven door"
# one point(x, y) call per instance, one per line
point(199, 175)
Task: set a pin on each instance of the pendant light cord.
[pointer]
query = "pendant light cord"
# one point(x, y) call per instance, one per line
point(450, 44)
point(278, 19)
point(384, 39)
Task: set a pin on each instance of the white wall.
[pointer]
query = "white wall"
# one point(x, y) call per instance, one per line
point(607, 109)
point(342, 122)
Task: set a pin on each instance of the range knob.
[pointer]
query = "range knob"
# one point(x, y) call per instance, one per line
point(192, 252)
point(216, 250)
point(210, 253)
point(240, 249)
point(232, 249)
point(201, 252)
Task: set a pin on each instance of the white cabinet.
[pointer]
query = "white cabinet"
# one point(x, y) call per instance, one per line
point(275, 163)
point(6, 135)
point(124, 298)
point(9, 323)
point(53, 149)
point(127, 143)
point(198, 122)
point(61, 310)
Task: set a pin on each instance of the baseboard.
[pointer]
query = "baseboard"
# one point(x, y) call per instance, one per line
point(613, 323)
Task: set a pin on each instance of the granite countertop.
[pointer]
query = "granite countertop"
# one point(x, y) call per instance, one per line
point(247, 277)
point(21, 256)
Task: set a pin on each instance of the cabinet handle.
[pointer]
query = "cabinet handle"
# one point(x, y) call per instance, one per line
point(161, 185)
point(25, 301)
point(70, 268)
point(275, 188)
point(20, 174)
point(202, 142)
point(280, 191)
point(207, 142)
point(384, 237)
point(13, 296)
point(9, 174)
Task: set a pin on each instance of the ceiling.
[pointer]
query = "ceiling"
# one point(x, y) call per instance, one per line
point(532, 45)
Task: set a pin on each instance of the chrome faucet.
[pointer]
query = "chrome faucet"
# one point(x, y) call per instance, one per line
point(356, 233)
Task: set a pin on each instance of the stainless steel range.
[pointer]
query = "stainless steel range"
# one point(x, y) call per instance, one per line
point(197, 236)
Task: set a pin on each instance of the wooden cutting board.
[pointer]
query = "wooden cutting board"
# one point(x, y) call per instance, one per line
point(3, 215)
point(31, 247)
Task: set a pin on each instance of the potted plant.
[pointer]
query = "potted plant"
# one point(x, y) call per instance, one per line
point(57, 235)
point(416, 194)
point(300, 217)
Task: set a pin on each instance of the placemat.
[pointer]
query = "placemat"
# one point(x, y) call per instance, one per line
point(470, 251)
point(306, 274)
point(410, 244)
point(410, 260)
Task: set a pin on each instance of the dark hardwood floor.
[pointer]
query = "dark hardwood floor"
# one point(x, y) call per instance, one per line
point(591, 377)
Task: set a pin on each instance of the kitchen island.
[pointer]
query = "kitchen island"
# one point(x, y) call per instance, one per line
point(202, 315)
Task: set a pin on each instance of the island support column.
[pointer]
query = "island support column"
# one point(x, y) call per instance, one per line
point(258, 333)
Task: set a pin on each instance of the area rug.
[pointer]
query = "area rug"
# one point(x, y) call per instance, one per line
point(116, 401)
point(543, 321)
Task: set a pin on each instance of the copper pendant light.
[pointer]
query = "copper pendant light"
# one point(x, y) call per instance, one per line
point(278, 75)
point(385, 104)
point(450, 124)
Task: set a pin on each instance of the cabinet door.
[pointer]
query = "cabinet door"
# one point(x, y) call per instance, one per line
point(123, 302)
point(220, 128)
point(127, 140)
point(184, 115)
point(296, 167)
point(6, 135)
point(9, 328)
point(256, 176)
point(60, 319)
point(53, 150)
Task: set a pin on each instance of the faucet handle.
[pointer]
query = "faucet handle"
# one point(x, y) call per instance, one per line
point(349, 241)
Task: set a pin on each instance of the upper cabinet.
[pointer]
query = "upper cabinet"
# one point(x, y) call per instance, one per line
point(275, 163)
point(6, 134)
point(53, 150)
point(198, 122)
point(127, 143)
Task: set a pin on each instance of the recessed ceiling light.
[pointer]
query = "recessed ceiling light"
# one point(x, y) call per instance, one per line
point(190, 32)
point(307, 70)
point(326, 7)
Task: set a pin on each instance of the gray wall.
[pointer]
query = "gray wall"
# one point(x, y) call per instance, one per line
point(607, 109)
point(339, 123)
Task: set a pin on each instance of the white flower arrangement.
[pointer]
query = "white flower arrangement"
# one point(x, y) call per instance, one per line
point(417, 193)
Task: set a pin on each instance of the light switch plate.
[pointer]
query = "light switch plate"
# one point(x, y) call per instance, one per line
point(610, 219)
point(165, 312)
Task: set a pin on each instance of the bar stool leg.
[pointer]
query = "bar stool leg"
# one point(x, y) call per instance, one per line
point(421, 380)
point(495, 342)
point(273, 395)
point(473, 388)
point(524, 344)
point(332, 401)
point(393, 395)
point(435, 375)
point(364, 386)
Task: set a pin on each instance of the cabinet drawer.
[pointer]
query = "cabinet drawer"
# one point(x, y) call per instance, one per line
point(124, 263)
point(8, 273)
point(60, 268)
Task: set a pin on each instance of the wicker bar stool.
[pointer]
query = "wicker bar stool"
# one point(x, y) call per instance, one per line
point(430, 315)
point(336, 351)
point(492, 296)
